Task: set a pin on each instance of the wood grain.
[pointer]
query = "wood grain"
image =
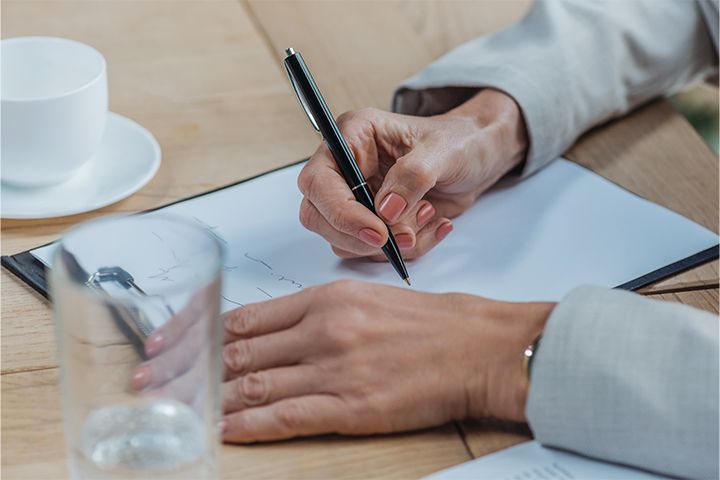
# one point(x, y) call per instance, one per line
point(205, 78)
point(27, 340)
point(200, 78)
point(487, 436)
point(32, 423)
point(213, 96)
point(698, 278)
point(375, 45)
point(703, 299)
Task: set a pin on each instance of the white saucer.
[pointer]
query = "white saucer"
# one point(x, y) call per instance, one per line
point(128, 157)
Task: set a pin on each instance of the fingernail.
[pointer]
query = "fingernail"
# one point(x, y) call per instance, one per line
point(142, 377)
point(405, 240)
point(371, 237)
point(425, 214)
point(154, 344)
point(443, 230)
point(392, 207)
point(222, 426)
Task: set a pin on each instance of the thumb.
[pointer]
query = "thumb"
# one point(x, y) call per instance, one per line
point(405, 184)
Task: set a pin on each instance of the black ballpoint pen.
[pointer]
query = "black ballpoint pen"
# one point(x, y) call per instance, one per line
point(322, 120)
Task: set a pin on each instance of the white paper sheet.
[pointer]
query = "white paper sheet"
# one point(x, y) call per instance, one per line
point(532, 461)
point(534, 240)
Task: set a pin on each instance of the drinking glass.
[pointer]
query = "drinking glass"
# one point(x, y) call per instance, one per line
point(136, 307)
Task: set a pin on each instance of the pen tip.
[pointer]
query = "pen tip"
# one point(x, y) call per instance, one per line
point(407, 280)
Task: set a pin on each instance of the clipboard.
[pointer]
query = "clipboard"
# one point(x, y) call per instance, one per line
point(33, 272)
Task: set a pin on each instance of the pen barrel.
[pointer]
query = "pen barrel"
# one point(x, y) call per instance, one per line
point(320, 116)
point(322, 120)
point(345, 160)
point(364, 195)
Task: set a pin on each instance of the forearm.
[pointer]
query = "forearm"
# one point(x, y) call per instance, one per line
point(616, 376)
point(571, 65)
point(629, 380)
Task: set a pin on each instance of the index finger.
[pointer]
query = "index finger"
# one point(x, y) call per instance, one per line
point(322, 184)
point(198, 308)
point(279, 313)
point(287, 418)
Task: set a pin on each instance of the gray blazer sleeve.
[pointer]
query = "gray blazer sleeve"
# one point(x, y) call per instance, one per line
point(572, 64)
point(630, 380)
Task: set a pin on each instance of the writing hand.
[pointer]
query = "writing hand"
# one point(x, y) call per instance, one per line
point(358, 358)
point(424, 170)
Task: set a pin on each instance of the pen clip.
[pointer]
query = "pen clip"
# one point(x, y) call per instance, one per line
point(299, 95)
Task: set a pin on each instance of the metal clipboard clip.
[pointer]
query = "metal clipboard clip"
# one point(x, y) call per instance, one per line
point(139, 316)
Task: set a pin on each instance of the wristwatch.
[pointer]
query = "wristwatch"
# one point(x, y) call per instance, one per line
point(528, 356)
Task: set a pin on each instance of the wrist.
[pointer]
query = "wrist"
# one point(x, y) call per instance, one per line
point(498, 118)
point(529, 323)
point(503, 389)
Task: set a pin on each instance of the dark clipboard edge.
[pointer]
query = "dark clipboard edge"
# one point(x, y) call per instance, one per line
point(33, 272)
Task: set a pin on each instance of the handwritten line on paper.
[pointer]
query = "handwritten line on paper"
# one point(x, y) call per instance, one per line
point(261, 262)
point(232, 301)
point(280, 277)
point(583, 229)
point(211, 230)
point(172, 250)
point(263, 291)
point(164, 273)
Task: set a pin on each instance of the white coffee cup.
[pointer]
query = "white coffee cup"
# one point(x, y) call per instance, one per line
point(54, 108)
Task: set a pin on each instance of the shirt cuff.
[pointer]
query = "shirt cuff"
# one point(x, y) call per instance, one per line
point(631, 380)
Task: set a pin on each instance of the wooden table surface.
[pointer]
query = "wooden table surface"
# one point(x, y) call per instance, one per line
point(206, 78)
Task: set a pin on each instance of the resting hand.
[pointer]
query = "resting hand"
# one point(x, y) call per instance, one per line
point(177, 352)
point(357, 358)
point(424, 170)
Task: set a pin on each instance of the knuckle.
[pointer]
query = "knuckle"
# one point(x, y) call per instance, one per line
point(242, 321)
point(349, 329)
point(302, 180)
point(253, 389)
point(419, 173)
point(417, 251)
point(290, 416)
point(367, 112)
point(345, 117)
point(305, 180)
point(359, 115)
point(453, 298)
point(307, 216)
point(238, 356)
point(341, 288)
point(339, 220)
